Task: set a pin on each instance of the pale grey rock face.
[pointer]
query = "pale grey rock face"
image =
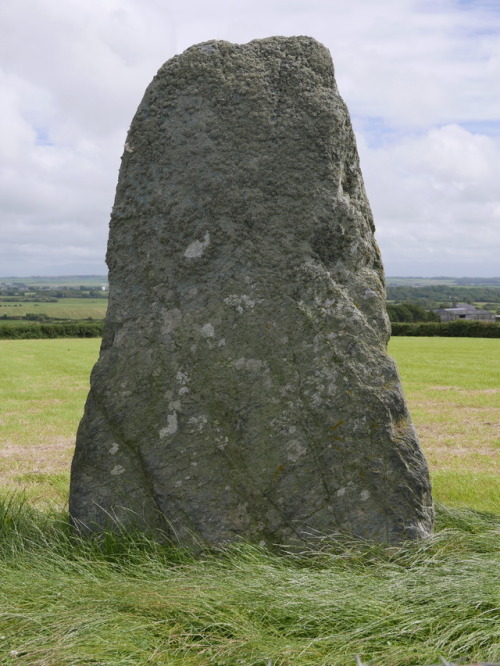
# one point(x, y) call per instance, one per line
point(243, 388)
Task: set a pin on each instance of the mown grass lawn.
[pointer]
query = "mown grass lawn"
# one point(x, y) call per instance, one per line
point(453, 390)
point(43, 386)
point(65, 308)
point(127, 600)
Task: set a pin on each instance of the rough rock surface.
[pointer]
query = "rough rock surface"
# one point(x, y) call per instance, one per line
point(243, 388)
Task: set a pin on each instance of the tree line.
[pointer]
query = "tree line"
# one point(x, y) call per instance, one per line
point(434, 296)
point(450, 329)
point(48, 295)
point(460, 328)
point(410, 312)
point(51, 330)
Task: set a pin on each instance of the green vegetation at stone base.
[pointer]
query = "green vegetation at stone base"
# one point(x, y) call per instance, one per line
point(128, 600)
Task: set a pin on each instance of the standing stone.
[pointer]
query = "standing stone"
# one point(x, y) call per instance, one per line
point(243, 388)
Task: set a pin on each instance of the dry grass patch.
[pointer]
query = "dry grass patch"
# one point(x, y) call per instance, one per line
point(42, 393)
point(40, 471)
point(448, 442)
point(458, 419)
point(44, 458)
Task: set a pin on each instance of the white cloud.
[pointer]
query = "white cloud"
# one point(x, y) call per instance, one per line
point(71, 76)
point(420, 78)
point(435, 199)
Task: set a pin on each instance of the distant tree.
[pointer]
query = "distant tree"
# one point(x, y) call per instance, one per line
point(409, 312)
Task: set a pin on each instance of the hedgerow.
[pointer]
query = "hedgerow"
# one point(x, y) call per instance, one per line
point(61, 330)
point(452, 329)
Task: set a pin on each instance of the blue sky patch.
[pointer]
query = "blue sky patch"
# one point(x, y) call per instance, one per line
point(42, 137)
point(484, 127)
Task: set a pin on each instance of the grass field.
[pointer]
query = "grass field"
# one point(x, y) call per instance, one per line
point(453, 390)
point(43, 387)
point(65, 308)
point(127, 601)
point(452, 387)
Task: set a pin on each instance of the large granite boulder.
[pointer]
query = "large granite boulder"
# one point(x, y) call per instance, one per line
point(243, 388)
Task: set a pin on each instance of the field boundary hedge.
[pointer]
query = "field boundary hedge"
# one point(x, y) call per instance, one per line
point(66, 330)
point(454, 329)
point(449, 329)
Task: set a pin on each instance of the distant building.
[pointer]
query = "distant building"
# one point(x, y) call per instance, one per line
point(464, 311)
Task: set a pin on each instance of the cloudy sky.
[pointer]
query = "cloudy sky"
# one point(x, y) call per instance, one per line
point(421, 79)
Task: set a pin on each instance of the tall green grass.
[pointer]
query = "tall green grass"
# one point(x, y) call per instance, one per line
point(127, 600)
